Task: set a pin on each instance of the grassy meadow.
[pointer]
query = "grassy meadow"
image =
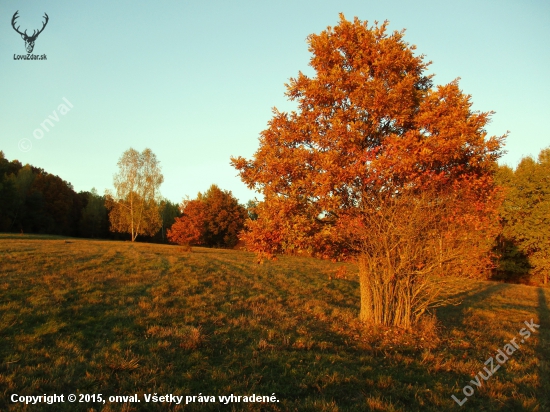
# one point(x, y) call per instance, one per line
point(117, 318)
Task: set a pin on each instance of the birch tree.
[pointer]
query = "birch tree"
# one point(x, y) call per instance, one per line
point(134, 208)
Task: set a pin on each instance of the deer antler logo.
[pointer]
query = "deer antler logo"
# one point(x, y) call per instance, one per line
point(29, 40)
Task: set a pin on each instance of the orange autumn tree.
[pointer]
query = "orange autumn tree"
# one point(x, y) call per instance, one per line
point(213, 219)
point(188, 228)
point(376, 165)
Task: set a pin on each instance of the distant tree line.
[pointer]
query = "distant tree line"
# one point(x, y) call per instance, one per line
point(35, 201)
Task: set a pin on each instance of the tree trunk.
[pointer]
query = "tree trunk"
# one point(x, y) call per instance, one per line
point(366, 313)
point(386, 297)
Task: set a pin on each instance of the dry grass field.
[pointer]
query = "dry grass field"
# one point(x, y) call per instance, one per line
point(89, 317)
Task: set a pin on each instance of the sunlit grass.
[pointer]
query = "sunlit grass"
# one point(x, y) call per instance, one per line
point(80, 316)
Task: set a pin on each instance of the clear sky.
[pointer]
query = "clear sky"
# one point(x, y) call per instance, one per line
point(196, 81)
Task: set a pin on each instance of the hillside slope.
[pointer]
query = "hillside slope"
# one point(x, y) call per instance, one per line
point(117, 318)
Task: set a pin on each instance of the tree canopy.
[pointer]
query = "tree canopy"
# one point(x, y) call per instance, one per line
point(371, 128)
point(214, 218)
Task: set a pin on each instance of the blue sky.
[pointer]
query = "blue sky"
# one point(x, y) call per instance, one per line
point(196, 81)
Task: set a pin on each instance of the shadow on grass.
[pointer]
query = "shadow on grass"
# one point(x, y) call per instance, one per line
point(453, 315)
